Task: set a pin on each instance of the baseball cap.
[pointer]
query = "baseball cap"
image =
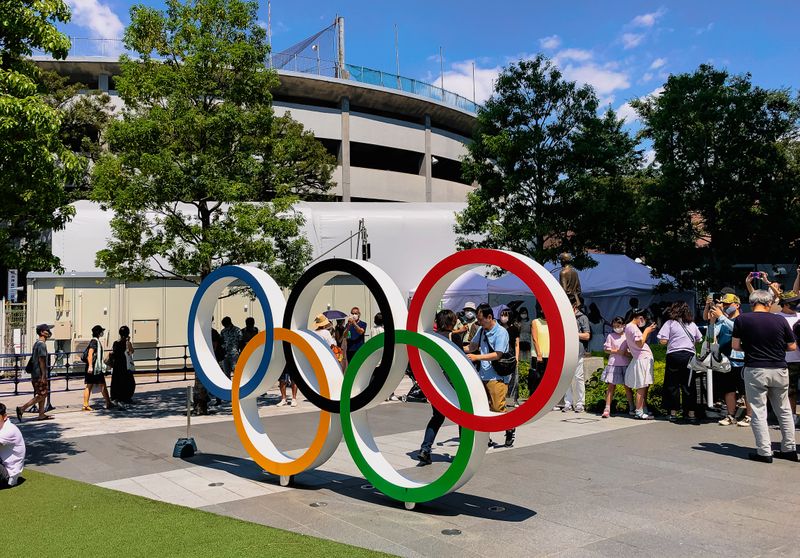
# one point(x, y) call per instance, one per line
point(470, 305)
point(730, 298)
point(44, 327)
point(98, 329)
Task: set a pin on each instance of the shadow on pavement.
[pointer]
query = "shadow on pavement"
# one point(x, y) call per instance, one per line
point(44, 445)
point(450, 505)
point(726, 449)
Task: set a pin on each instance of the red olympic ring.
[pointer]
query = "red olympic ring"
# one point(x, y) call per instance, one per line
point(555, 363)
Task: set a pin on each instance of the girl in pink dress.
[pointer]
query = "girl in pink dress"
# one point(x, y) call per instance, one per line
point(618, 359)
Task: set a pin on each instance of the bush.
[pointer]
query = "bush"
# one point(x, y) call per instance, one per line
point(596, 389)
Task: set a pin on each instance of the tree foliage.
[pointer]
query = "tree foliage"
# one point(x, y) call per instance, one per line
point(728, 188)
point(538, 157)
point(200, 171)
point(34, 163)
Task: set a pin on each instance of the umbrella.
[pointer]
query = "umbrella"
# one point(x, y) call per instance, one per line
point(334, 315)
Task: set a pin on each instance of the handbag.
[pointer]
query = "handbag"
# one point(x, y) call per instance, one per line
point(507, 363)
point(710, 356)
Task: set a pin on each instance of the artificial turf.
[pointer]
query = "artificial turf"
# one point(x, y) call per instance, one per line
point(52, 516)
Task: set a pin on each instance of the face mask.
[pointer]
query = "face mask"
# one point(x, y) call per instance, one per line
point(503, 319)
point(619, 329)
point(523, 316)
point(469, 315)
point(355, 316)
point(730, 310)
point(641, 323)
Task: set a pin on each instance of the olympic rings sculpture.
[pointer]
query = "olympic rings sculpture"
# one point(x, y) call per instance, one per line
point(376, 368)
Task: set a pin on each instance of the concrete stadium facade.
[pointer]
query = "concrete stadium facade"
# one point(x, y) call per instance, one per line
point(390, 145)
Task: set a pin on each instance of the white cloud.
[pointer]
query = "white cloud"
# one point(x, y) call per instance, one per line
point(648, 157)
point(631, 40)
point(604, 80)
point(647, 77)
point(705, 29)
point(458, 79)
point(97, 17)
point(551, 42)
point(657, 63)
point(627, 112)
point(576, 54)
point(648, 20)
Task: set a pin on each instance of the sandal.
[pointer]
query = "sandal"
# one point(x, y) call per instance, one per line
point(87, 408)
point(111, 406)
point(19, 414)
point(44, 417)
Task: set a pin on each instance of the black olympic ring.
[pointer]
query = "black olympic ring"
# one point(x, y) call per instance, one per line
point(381, 374)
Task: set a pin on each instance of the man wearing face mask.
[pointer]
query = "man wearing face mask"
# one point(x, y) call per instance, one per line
point(524, 335)
point(354, 331)
point(720, 317)
point(577, 390)
point(470, 325)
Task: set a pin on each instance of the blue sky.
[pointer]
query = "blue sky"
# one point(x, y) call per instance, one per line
point(625, 49)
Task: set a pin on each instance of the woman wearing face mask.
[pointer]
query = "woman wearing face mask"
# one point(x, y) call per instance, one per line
point(618, 359)
point(639, 373)
point(680, 334)
point(540, 337)
point(721, 317)
point(509, 322)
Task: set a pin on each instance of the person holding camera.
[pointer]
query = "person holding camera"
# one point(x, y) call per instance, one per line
point(492, 341)
point(720, 317)
point(354, 332)
point(639, 374)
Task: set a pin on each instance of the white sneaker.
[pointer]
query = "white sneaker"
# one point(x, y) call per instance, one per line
point(744, 422)
point(578, 408)
point(567, 408)
point(727, 421)
point(281, 403)
point(294, 402)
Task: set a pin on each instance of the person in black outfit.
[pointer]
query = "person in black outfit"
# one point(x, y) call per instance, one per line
point(250, 330)
point(510, 321)
point(445, 322)
point(122, 382)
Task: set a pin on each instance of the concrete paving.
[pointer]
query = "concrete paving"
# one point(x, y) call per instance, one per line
point(573, 485)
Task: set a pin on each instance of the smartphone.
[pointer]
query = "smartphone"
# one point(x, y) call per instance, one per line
point(755, 275)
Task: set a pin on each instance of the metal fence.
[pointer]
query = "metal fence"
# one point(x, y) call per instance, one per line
point(66, 370)
point(88, 47)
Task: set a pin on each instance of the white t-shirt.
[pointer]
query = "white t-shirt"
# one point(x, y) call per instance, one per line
point(791, 356)
point(12, 450)
point(326, 336)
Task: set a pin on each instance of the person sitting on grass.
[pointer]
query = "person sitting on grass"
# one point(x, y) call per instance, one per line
point(12, 451)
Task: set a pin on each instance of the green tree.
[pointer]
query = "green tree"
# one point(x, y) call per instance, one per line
point(521, 150)
point(200, 172)
point(727, 192)
point(34, 163)
point(606, 188)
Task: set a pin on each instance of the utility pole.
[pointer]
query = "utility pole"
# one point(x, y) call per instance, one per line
point(397, 57)
point(473, 82)
point(441, 68)
point(269, 30)
point(340, 58)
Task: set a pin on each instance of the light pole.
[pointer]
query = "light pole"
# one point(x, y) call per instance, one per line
point(316, 49)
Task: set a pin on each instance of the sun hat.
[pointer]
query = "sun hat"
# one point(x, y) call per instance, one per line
point(321, 321)
point(789, 297)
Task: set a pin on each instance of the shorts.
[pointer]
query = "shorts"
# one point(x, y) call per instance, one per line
point(39, 387)
point(794, 376)
point(286, 378)
point(639, 373)
point(613, 375)
point(729, 382)
point(94, 379)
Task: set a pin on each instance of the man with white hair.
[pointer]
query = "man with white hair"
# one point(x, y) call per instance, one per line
point(765, 337)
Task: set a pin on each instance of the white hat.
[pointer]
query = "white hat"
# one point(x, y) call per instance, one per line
point(470, 305)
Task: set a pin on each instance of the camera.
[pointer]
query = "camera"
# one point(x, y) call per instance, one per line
point(755, 275)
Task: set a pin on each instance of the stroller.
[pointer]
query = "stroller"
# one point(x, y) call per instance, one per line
point(415, 393)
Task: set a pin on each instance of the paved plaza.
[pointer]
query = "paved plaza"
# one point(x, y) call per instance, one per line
point(573, 485)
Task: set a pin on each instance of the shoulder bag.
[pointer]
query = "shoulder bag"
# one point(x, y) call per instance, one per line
point(507, 363)
point(710, 357)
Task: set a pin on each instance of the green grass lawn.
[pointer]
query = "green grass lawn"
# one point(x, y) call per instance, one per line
point(53, 516)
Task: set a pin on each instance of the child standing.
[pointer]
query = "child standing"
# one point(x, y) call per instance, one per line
point(618, 359)
point(639, 374)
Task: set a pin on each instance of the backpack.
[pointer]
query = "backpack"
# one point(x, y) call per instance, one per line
point(85, 355)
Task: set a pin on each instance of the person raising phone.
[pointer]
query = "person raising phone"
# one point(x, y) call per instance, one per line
point(354, 332)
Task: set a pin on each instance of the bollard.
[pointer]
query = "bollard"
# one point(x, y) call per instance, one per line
point(186, 447)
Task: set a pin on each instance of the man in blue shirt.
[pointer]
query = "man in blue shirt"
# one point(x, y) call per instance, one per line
point(492, 341)
point(355, 332)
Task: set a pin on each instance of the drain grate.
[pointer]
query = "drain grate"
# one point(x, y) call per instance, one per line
point(318, 504)
point(496, 509)
point(451, 532)
point(367, 487)
point(216, 483)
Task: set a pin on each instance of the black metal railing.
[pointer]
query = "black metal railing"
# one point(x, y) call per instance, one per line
point(172, 361)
